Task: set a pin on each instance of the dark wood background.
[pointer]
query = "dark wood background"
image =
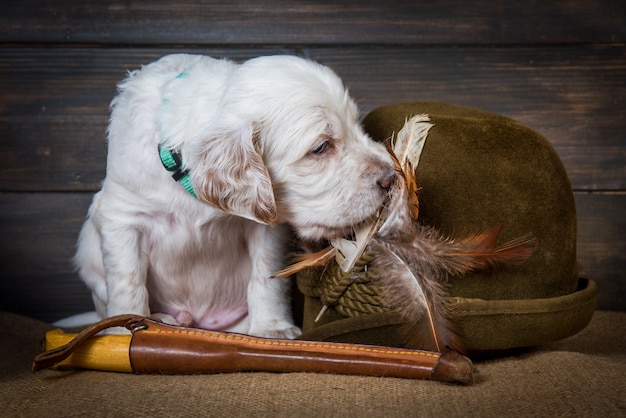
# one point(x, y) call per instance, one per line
point(557, 66)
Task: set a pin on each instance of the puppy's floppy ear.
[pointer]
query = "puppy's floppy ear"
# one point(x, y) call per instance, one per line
point(230, 175)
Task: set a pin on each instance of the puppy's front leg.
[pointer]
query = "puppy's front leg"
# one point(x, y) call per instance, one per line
point(269, 300)
point(125, 266)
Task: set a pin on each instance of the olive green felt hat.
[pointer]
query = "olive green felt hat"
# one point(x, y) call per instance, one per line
point(477, 170)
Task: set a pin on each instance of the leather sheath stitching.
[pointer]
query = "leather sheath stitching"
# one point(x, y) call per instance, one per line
point(294, 344)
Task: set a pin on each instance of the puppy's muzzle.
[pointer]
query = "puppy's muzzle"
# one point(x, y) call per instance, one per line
point(386, 181)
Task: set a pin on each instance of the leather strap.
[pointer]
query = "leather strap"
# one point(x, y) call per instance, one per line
point(164, 349)
point(57, 355)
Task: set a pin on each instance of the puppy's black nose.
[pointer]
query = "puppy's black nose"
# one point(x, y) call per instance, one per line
point(386, 181)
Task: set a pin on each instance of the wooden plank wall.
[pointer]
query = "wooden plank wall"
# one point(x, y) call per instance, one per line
point(559, 67)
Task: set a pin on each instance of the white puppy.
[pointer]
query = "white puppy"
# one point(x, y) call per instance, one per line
point(266, 146)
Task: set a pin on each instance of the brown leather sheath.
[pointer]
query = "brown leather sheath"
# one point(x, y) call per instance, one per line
point(160, 348)
point(165, 349)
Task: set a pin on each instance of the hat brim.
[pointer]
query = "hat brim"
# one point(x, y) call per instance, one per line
point(487, 325)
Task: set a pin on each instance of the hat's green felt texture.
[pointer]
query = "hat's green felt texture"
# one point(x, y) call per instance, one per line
point(479, 170)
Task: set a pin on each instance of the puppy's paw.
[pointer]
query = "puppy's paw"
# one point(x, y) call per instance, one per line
point(287, 333)
point(276, 329)
point(182, 318)
point(114, 331)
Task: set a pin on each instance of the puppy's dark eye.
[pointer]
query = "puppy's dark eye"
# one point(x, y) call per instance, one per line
point(321, 149)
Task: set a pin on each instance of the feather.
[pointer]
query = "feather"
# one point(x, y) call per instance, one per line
point(410, 177)
point(346, 252)
point(349, 251)
point(417, 263)
point(394, 158)
point(480, 252)
point(410, 140)
point(415, 291)
point(458, 257)
point(407, 185)
point(303, 261)
point(405, 153)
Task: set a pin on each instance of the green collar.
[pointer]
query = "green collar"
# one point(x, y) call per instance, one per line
point(172, 162)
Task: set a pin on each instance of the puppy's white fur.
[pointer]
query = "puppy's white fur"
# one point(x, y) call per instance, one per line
point(270, 143)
